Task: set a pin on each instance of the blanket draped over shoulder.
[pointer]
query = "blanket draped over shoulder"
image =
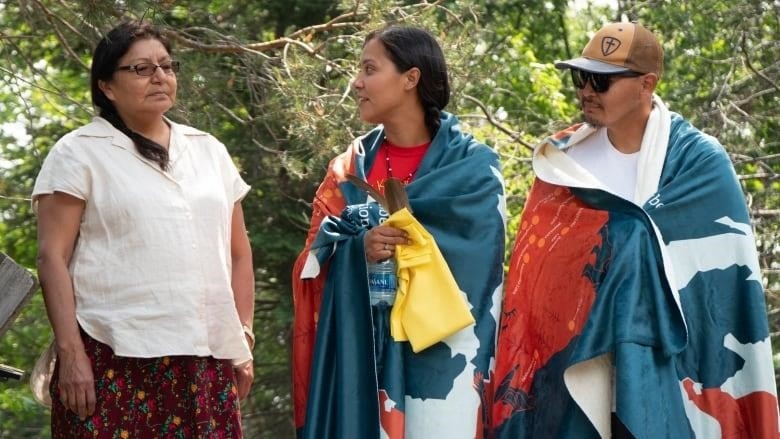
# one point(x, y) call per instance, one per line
point(652, 310)
point(350, 379)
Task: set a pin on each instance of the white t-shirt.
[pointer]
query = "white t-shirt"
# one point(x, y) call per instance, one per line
point(616, 170)
point(151, 267)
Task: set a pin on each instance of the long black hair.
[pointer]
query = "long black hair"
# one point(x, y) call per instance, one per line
point(105, 60)
point(410, 47)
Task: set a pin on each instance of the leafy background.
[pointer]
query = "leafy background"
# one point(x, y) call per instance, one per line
point(271, 80)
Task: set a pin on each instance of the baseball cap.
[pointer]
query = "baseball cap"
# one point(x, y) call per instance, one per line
point(619, 48)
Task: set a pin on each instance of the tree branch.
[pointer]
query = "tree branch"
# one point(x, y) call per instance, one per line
point(765, 213)
point(49, 16)
point(513, 135)
point(278, 43)
point(749, 65)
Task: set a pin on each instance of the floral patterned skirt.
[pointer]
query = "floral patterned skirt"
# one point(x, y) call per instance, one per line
point(166, 397)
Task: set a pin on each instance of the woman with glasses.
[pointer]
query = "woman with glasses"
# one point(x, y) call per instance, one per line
point(144, 260)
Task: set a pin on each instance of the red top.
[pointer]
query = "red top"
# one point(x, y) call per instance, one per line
point(395, 161)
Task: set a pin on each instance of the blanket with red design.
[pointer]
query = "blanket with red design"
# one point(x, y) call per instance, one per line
point(649, 317)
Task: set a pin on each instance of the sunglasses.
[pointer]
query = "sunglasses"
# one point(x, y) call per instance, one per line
point(600, 82)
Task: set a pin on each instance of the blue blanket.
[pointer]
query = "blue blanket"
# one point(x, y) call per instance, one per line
point(358, 379)
point(658, 303)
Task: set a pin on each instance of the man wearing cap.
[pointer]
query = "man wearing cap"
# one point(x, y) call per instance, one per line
point(634, 305)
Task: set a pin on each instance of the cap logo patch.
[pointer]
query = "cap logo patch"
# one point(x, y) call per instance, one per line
point(609, 45)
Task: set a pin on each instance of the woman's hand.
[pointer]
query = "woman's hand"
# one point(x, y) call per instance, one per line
point(76, 382)
point(245, 376)
point(59, 219)
point(380, 242)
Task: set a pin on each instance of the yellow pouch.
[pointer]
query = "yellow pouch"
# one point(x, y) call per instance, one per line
point(429, 305)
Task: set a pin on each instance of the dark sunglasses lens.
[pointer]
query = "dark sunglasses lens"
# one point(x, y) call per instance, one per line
point(599, 82)
point(577, 79)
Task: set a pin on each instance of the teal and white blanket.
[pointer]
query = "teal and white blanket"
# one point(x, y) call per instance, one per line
point(653, 309)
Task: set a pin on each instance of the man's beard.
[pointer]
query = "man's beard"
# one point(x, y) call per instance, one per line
point(595, 123)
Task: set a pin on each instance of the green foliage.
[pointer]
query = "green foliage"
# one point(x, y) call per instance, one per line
point(284, 107)
point(20, 415)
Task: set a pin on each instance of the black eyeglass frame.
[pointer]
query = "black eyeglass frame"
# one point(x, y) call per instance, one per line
point(168, 68)
point(600, 82)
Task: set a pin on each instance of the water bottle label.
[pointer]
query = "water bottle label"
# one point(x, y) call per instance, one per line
point(384, 282)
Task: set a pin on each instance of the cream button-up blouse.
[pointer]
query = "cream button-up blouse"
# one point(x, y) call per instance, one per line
point(151, 268)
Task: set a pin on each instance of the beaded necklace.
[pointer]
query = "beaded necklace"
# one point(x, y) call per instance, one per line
point(406, 180)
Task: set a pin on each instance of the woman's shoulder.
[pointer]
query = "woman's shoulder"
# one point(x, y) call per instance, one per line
point(203, 140)
point(188, 130)
point(456, 133)
point(98, 130)
point(97, 127)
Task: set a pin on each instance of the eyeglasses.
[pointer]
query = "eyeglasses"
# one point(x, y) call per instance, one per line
point(600, 82)
point(148, 68)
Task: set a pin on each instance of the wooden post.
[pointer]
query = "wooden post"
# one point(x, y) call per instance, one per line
point(17, 285)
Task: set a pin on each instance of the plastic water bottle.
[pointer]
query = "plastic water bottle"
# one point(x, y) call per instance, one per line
point(382, 282)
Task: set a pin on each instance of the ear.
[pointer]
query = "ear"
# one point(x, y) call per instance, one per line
point(105, 87)
point(649, 81)
point(411, 78)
